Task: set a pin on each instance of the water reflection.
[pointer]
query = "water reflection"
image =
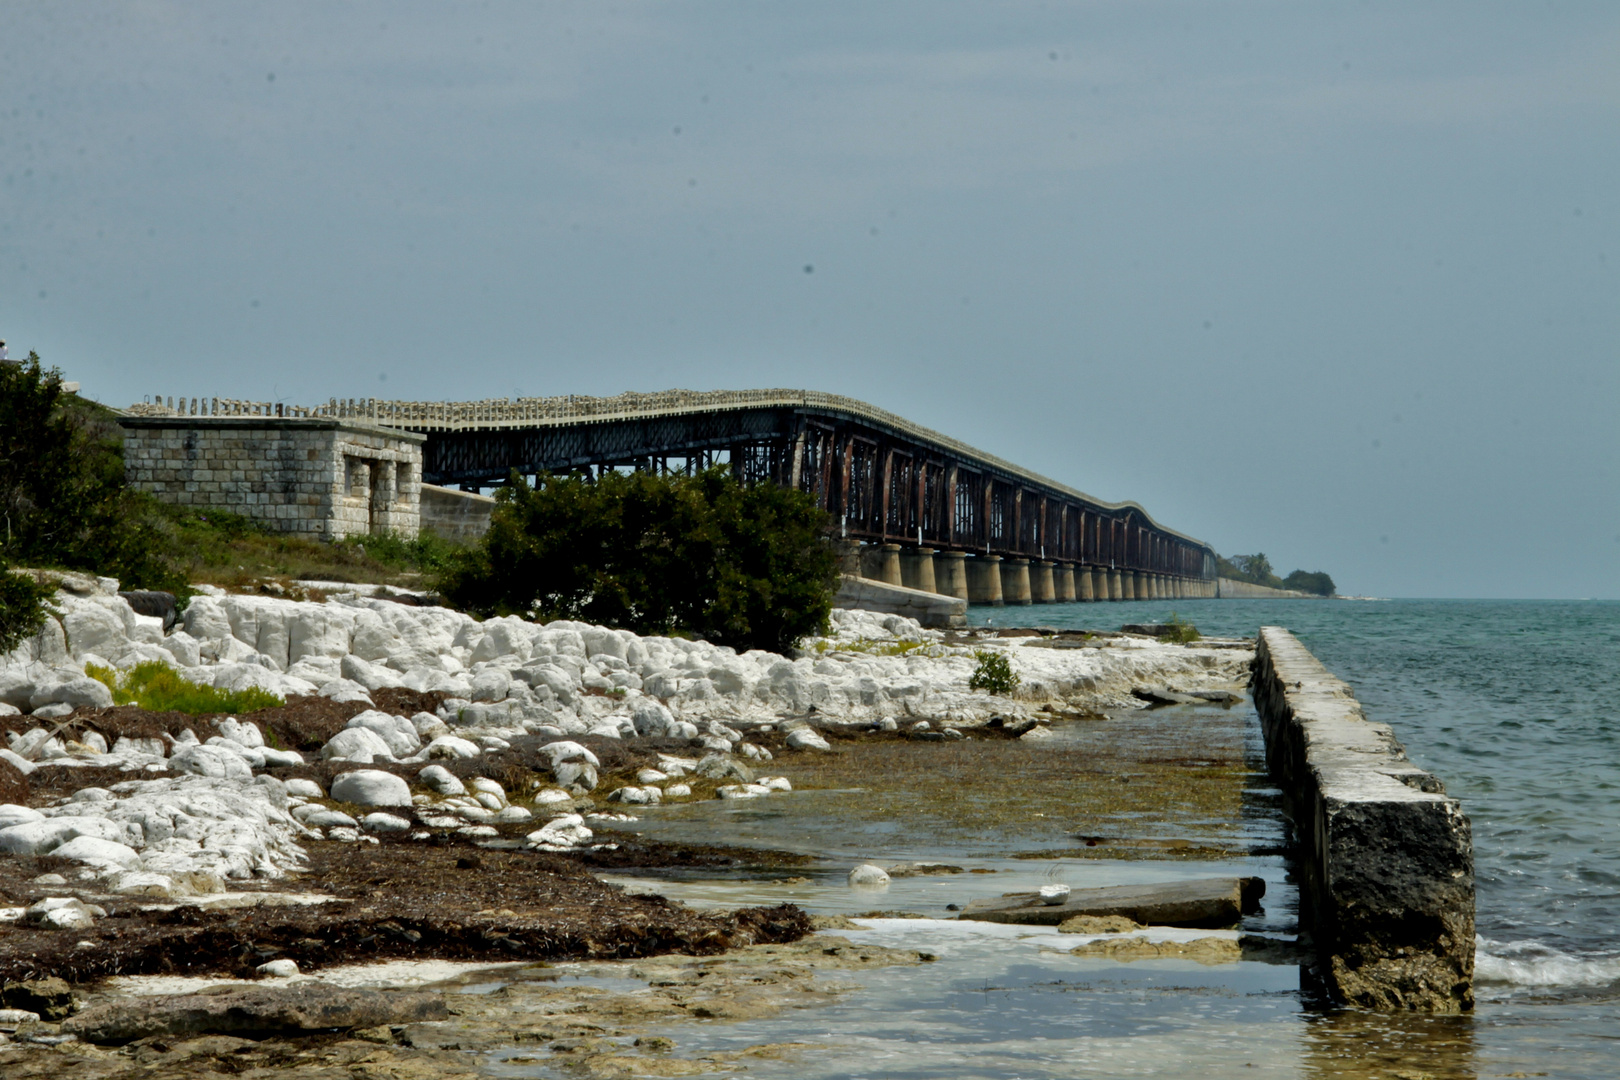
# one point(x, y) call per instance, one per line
point(1347, 1044)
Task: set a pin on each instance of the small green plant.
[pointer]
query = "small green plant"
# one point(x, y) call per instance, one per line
point(1181, 632)
point(157, 687)
point(872, 648)
point(993, 673)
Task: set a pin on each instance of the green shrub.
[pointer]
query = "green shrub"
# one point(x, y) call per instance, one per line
point(749, 567)
point(157, 687)
point(993, 673)
point(63, 501)
point(1181, 632)
point(1317, 583)
point(24, 607)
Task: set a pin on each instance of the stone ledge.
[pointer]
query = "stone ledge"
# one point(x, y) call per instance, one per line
point(930, 609)
point(1386, 857)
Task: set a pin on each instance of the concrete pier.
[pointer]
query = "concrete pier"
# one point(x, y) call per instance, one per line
point(1015, 581)
point(1116, 587)
point(950, 575)
point(1063, 582)
point(984, 580)
point(917, 569)
point(1042, 587)
point(1085, 584)
point(1386, 858)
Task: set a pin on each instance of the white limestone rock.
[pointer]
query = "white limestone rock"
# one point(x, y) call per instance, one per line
point(307, 789)
point(371, 787)
point(385, 823)
point(563, 834)
point(358, 744)
point(807, 738)
point(398, 733)
point(442, 780)
point(451, 747)
point(867, 876)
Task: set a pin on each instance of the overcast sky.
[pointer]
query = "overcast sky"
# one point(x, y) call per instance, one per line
point(1336, 282)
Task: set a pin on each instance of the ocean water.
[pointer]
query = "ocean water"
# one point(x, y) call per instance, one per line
point(1512, 704)
point(1516, 706)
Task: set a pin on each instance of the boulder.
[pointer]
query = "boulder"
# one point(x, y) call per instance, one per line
point(868, 876)
point(357, 744)
point(51, 998)
point(371, 787)
point(103, 854)
point(256, 1010)
point(385, 823)
point(214, 762)
point(566, 832)
point(442, 780)
point(307, 789)
point(397, 732)
point(807, 738)
point(47, 834)
point(451, 747)
point(723, 767)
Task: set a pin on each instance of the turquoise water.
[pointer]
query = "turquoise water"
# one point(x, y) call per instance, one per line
point(1510, 703)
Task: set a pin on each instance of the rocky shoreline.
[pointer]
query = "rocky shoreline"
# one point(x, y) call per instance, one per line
point(441, 787)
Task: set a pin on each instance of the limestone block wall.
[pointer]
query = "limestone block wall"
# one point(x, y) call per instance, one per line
point(462, 516)
point(325, 479)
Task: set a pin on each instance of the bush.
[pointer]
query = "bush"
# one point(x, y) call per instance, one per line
point(1318, 583)
point(993, 673)
point(63, 501)
point(1181, 631)
point(157, 687)
point(24, 607)
point(749, 567)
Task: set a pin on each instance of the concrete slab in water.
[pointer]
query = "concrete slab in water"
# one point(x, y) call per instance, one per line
point(1204, 903)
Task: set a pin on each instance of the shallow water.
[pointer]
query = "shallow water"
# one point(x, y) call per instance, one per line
point(1507, 702)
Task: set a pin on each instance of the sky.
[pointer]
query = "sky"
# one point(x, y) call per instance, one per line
point(1335, 282)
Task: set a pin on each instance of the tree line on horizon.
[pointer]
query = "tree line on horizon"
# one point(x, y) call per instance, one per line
point(1257, 570)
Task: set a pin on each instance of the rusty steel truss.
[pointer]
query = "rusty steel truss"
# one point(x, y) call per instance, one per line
point(883, 478)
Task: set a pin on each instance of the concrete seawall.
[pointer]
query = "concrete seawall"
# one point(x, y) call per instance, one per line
point(1385, 857)
point(462, 516)
point(1228, 589)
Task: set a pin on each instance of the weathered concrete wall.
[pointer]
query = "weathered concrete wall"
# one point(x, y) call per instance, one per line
point(930, 609)
point(319, 478)
point(1243, 590)
point(1386, 858)
point(462, 516)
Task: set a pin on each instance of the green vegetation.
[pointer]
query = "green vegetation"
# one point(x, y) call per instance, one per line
point(1312, 582)
point(1257, 570)
point(157, 687)
point(63, 501)
point(993, 673)
point(231, 551)
point(750, 567)
point(871, 648)
point(1181, 632)
point(24, 606)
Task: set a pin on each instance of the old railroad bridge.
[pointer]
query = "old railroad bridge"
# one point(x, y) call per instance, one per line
point(928, 511)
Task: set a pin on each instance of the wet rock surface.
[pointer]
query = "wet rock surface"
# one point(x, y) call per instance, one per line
point(252, 1011)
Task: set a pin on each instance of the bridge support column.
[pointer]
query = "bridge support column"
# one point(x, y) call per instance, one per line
point(1155, 587)
point(1085, 584)
point(984, 580)
point(1063, 583)
point(1042, 585)
point(1115, 586)
point(950, 574)
point(889, 564)
point(1015, 581)
point(1127, 585)
point(917, 569)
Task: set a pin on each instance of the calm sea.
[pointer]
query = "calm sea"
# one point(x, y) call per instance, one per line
point(1512, 704)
